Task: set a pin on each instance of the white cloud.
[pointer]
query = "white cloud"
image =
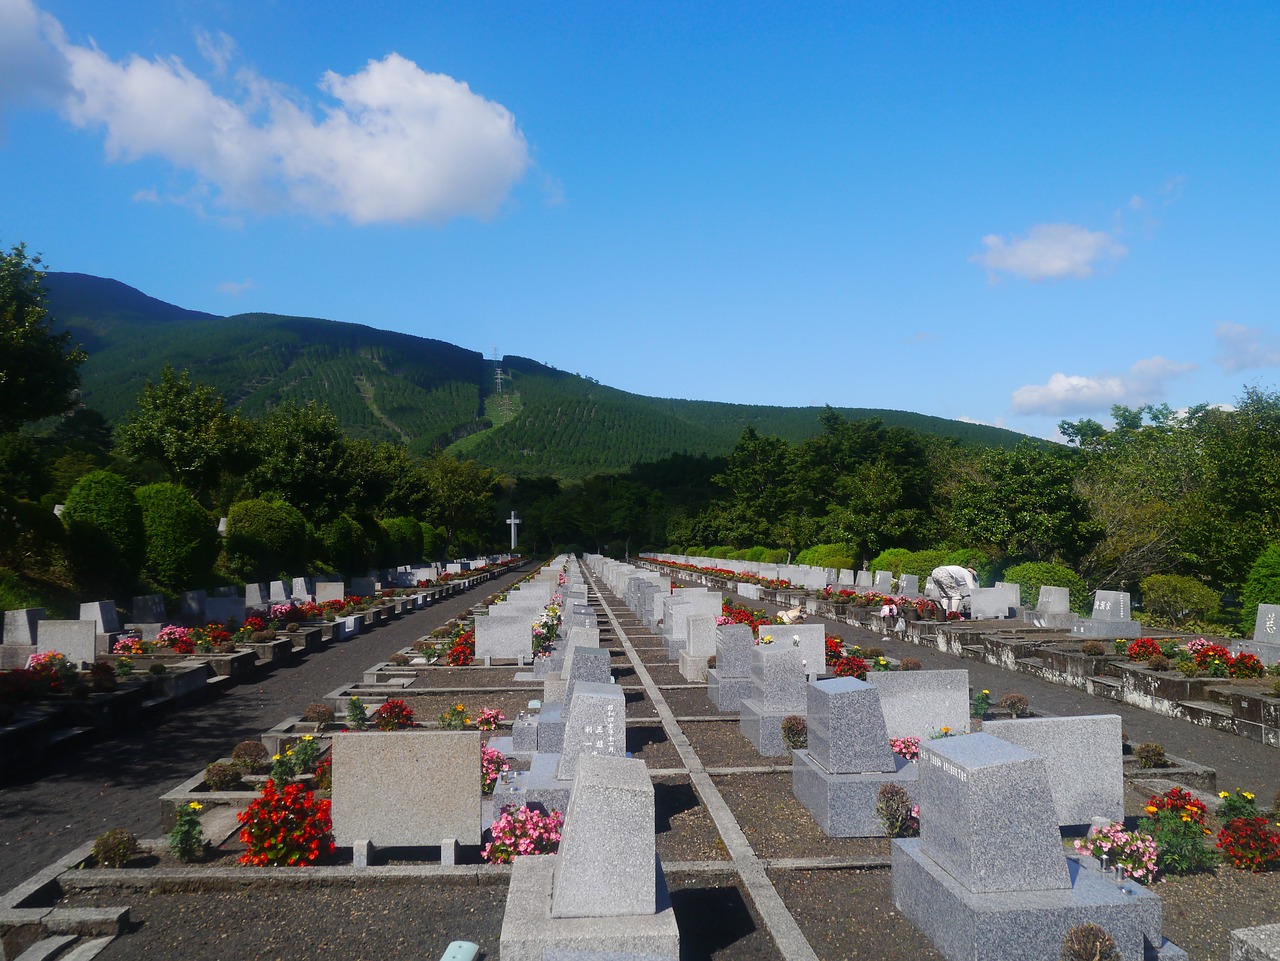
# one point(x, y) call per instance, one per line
point(32, 67)
point(217, 49)
point(1049, 252)
point(1144, 383)
point(235, 288)
point(389, 143)
point(1245, 348)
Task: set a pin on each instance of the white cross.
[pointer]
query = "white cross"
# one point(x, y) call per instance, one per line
point(513, 521)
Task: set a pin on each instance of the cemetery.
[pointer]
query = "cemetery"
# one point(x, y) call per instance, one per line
point(811, 796)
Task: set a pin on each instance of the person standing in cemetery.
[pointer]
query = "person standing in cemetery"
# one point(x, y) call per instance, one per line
point(955, 584)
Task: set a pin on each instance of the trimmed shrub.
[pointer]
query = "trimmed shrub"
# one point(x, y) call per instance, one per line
point(265, 540)
point(1176, 599)
point(891, 560)
point(223, 777)
point(114, 848)
point(404, 541)
point(1262, 586)
point(182, 541)
point(826, 555)
point(251, 755)
point(432, 541)
point(1150, 755)
point(105, 537)
point(775, 556)
point(1088, 942)
point(318, 713)
point(346, 546)
point(1032, 576)
point(30, 536)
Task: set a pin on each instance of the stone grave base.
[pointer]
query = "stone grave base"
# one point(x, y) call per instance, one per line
point(1064, 622)
point(529, 933)
point(844, 805)
point(1115, 630)
point(674, 646)
point(1021, 925)
point(537, 787)
point(762, 726)
point(727, 693)
point(693, 667)
point(551, 728)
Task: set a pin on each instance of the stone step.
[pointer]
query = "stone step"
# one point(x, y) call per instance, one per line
point(220, 680)
point(69, 735)
point(46, 948)
point(1207, 707)
point(87, 950)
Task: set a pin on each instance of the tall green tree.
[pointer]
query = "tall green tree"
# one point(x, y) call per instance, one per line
point(39, 369)
point(188, 429)
point(461, 492)
point(302, 459)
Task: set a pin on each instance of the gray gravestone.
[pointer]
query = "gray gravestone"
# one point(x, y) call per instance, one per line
point(987, 815)
point(20, 626)
point(729, 682)
point(607, 868)
point(778, 679)
point(224, 610)
point(921, 703)
point(596, 723)
point(1084, 758)
point(811, 639)
point(882, 581)
point(1054, 600)
point(279, 593)
point(839, 776)
point(330, 591)
point(909, 585)
point(986, 603)
point(363, 586)
point(406, 788)
point(148, 609)
point(504, 636)
point(76, 640)
point(191, 607)
point(1111, 606)
point(602, 896)
point(846, 727)
point(102, 613)
point(304, 588)
point(1265, 643)
point(863, 580)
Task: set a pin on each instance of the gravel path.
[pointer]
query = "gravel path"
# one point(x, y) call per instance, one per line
point(117, 783)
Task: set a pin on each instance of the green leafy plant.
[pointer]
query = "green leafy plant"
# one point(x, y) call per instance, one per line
point(220, 776)
point(182, 539)
point(901, 818)
point(1150, 755)
point(1262, 586)
point(795, 732)
point(114, 848)
point(105, 536)
point(454, 718)
point(357, 714)
point(981, 703)
point(1088, 942)
point(1237, 804)
point(124, 666)
point(1016, 704)
point(1175, 820)
point(1175, 599)
point(186, 840)
point(318, 713)
point(251, 756)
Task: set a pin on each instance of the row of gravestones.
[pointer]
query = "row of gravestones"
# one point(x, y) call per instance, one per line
point(28, 631)
point(1111, 616)
point(602, 895)
point(987, 878)
point(505, 630)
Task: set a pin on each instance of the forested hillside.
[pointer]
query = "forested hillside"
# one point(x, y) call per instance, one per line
point(424, 393)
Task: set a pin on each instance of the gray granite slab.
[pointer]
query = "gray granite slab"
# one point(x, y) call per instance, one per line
point(406, 788)
point(21, 625)
point(734, 644)
point(330, 591)
point(1084, 758)
point(846, 727)
point(595, 723)
point(504, 636)
point(921, 703)
point(844, 805)
point(1054, 600)
point(149, 609)
point(75, 640)
point(102, 613)
point(607, 868)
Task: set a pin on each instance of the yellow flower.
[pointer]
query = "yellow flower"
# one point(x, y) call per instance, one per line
point(1247, 795)
point(986, 692)
point(459, 707)
point(307, 737)
point(1224, 794)
point(946, 730)
point(196, 806)
point(275, 757)
point(1151, 809)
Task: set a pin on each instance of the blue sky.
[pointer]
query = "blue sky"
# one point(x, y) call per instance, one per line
point(1008, 213)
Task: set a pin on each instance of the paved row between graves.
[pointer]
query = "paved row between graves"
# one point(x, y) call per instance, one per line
point(1239, 761)
point(782, 926)
point(117, 783)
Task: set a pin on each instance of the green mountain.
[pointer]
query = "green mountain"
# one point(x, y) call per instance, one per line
point(422, 392)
